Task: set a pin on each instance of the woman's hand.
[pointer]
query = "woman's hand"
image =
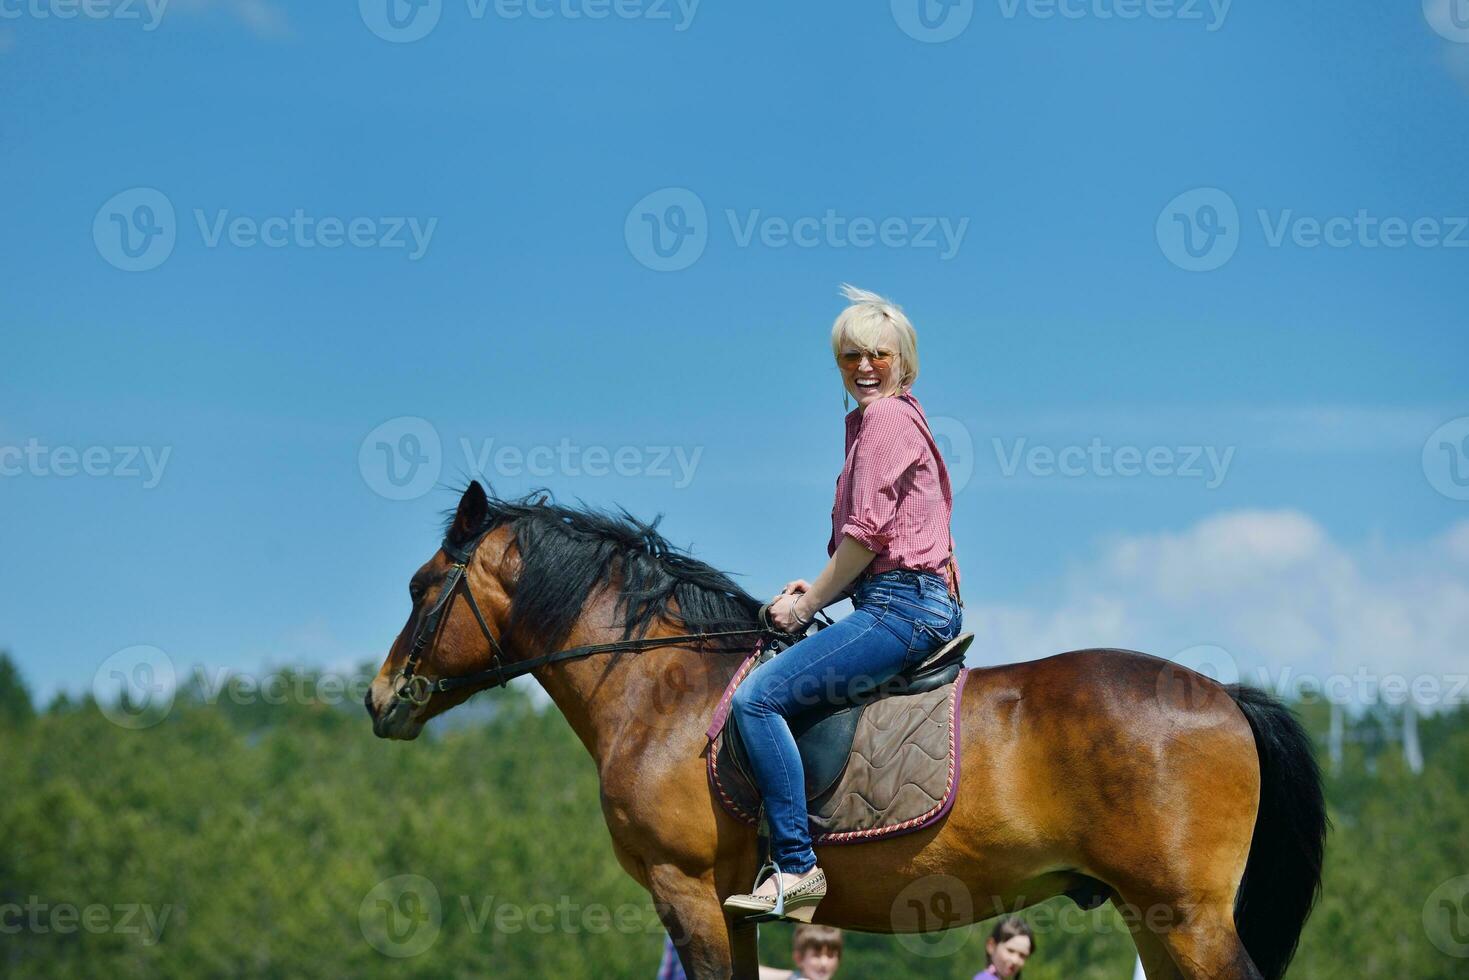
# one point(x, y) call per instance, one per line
point(783, 613)
point(796, 587)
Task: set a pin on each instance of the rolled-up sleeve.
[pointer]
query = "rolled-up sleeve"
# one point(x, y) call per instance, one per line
point(888, 445)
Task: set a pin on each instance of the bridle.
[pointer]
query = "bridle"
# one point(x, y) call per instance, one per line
point(417, 689)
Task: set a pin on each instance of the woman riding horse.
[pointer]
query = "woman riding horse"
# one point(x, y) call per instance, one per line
point(890, 537)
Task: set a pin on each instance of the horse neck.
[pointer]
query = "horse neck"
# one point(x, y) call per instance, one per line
point(620, 704)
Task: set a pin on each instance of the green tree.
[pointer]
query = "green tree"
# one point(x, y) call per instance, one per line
point(15, 698)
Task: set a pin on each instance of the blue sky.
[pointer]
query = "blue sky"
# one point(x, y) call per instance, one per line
point(1074, 161)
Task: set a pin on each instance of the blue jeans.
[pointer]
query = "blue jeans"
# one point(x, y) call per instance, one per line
point(899, 618)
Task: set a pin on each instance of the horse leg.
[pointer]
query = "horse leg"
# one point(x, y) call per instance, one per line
point(691, 911)
point(1182, 941)
point(1157, 964)
point(1206, 947)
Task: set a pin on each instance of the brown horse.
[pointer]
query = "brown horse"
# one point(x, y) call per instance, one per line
point(1195, 808)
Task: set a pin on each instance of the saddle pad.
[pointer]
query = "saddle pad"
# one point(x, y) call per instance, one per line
point(902, 774)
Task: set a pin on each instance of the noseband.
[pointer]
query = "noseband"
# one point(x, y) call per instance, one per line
point(417, 689)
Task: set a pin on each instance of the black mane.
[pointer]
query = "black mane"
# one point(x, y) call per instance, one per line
point(567, 552)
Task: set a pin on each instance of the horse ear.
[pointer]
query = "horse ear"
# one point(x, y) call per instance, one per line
point(470, 517)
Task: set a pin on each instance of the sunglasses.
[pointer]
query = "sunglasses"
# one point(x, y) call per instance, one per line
point(881, 357)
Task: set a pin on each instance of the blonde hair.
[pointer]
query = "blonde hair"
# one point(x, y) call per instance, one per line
point(864, 322)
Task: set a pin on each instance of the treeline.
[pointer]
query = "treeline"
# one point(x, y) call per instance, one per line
point(284, 840)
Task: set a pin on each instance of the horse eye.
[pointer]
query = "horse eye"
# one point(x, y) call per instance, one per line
point(415, 592)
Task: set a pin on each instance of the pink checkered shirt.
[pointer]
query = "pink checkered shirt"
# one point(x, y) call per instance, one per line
point(893, 493)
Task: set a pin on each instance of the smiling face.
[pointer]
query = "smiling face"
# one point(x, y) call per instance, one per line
point(1010, 955)
point(871, 373)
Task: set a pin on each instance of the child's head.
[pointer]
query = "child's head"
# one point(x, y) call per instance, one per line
point(1009, 946)
point(817, 950)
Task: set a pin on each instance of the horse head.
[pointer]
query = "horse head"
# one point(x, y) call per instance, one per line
point(448, 648)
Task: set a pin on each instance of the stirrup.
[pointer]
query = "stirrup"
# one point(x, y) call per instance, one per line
point(776, 913)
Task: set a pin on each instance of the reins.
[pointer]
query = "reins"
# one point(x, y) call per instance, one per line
point(418, 689)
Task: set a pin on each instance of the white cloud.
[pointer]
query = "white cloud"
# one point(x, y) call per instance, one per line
point(261, 17)
point(1455, 541)
point(1270, 587)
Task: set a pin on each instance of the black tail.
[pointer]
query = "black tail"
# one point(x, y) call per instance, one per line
point(1282, 877)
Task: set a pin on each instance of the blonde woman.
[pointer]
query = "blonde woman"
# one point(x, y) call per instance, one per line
point(890, 551)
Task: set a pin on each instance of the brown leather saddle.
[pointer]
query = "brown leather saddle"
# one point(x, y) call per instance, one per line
point(824, 734)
